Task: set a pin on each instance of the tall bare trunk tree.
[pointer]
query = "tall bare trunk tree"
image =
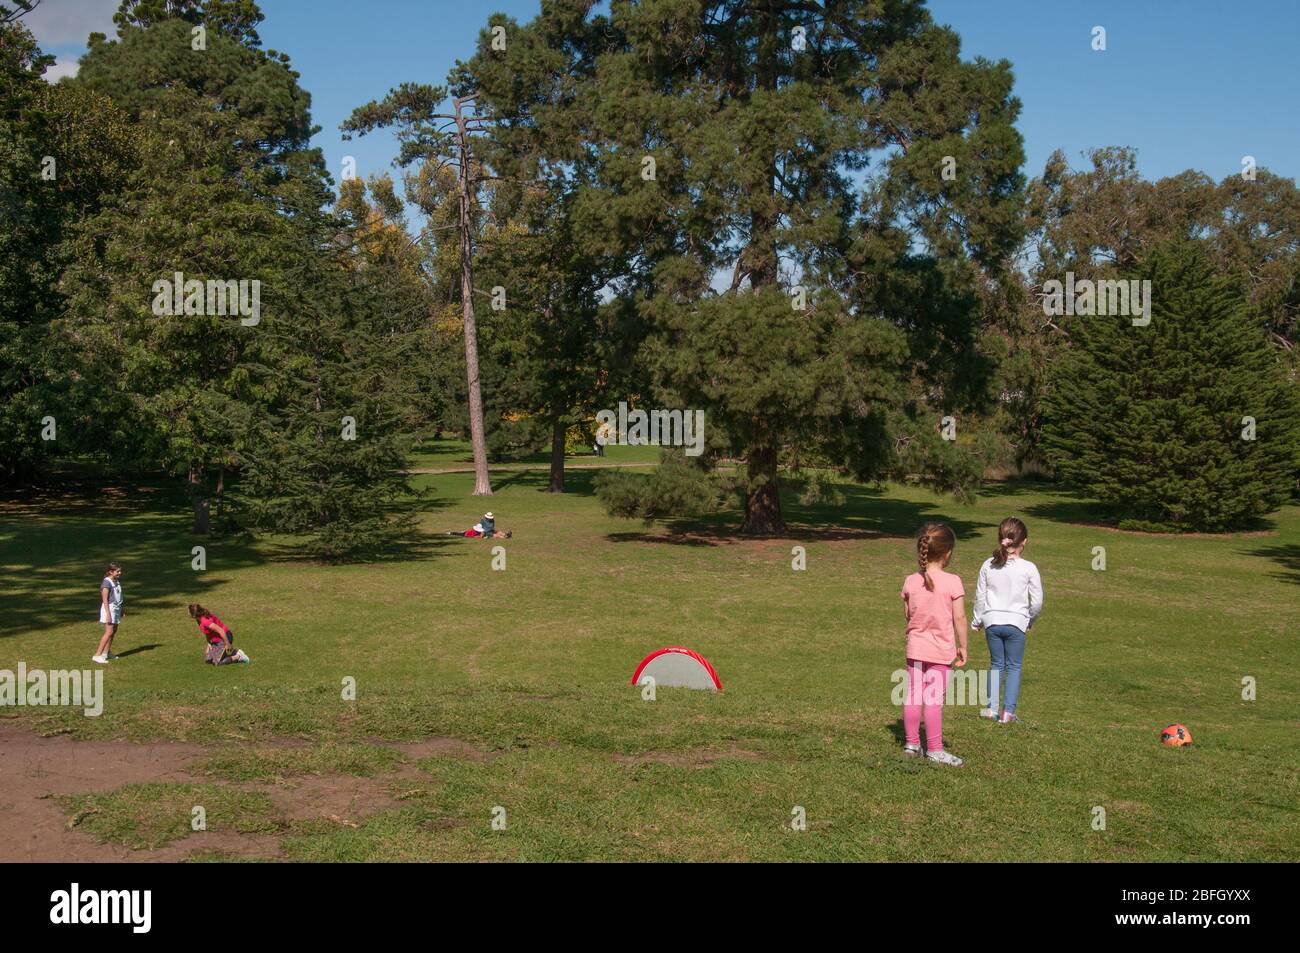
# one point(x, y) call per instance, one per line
point(439, 141)
point(482, 486)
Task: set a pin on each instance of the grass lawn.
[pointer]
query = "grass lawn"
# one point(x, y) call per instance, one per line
point(522, 677)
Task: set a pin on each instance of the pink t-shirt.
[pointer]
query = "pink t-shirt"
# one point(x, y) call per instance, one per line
point(930, 637)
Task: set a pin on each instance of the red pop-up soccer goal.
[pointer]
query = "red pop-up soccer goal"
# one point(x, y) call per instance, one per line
point(676, 667)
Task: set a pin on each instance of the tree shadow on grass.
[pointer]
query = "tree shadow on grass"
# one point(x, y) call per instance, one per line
point(1018, 486)
point(55, 543)
point(443, 451)
point(411, 547)
point(1286, 556)
point(576, 482)
point(866, 513)
point(53, 565)
point(1075, 508)
point(76, 496)
point(1072, 507)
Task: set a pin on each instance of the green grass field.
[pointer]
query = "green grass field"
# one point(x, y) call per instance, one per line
point(524, 675)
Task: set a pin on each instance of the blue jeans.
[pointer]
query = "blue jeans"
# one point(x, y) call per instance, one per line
point(1007, 651)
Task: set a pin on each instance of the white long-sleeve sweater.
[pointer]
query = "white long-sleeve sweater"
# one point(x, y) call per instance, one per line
point(1012, 595)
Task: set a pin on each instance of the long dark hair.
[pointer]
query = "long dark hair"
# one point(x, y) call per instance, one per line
point(197, 611)
point(935, 542)
point(1011, 535)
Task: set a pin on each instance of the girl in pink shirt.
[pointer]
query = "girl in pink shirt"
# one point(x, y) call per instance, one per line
point(933, 602)
point(221, 641)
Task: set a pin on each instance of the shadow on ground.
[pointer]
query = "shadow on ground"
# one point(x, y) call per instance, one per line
point(866, 513)
point(56, 542)
point(1071, 506)
point(1287, 558)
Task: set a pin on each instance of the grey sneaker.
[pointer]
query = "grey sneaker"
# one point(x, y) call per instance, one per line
point(912, 749)
point(944, 757)
point(1008, 717)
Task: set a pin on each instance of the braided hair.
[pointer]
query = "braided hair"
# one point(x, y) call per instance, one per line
point(935, 543)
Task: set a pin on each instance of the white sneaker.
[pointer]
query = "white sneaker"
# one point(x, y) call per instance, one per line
point(101, 659)
point(943, 757)
point(912, 749)
point(988, 713)
point(1008, 717)
point(241, 655)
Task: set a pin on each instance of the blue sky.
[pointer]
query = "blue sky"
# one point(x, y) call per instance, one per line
point(1192, 84)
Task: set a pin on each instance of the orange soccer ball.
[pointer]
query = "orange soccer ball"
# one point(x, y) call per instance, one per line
point(1176, 736)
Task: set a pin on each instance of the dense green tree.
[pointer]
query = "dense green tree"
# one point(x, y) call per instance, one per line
point(151, 385)
point(1257, 237)
point(226, 158)
point(325, 461)
point(234, 18)
point(426, 363)
point(1188, 421)
point(63, 150)
point(441, 144)
point(728, 139)
point(1105, 219)
point(561, 347)
point(231, 91)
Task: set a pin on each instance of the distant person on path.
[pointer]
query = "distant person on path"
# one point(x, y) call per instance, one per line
point(1008, 598)
point(602, 438)
point(933, 603)
point(221, 641)
point(110, 612)
point(483, 529)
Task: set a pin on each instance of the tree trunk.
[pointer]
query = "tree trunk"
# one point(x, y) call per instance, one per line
point(557, 455)
point(221, 488)
point(201, 521)
point(762, 499)
point(482, 486)
point(761, 251)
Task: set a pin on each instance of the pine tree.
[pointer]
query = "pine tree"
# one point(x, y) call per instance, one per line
point(1155, 421)
point(727, 138)
point(64, 151)
point(438, 143)
point(326, 459)
point(554, 341)
point(224, 173)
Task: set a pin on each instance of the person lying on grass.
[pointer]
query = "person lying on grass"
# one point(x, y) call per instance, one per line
point(486, 528)
point(221, 641)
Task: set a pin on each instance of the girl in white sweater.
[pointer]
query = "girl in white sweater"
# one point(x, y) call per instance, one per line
point(1008, 598)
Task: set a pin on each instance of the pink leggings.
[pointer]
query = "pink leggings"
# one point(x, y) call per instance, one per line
point(927, 682)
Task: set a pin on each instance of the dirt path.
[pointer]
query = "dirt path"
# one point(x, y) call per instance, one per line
point(36, 770)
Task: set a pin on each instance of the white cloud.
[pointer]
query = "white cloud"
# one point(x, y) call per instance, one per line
point(63, 66)
point(68, 22)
